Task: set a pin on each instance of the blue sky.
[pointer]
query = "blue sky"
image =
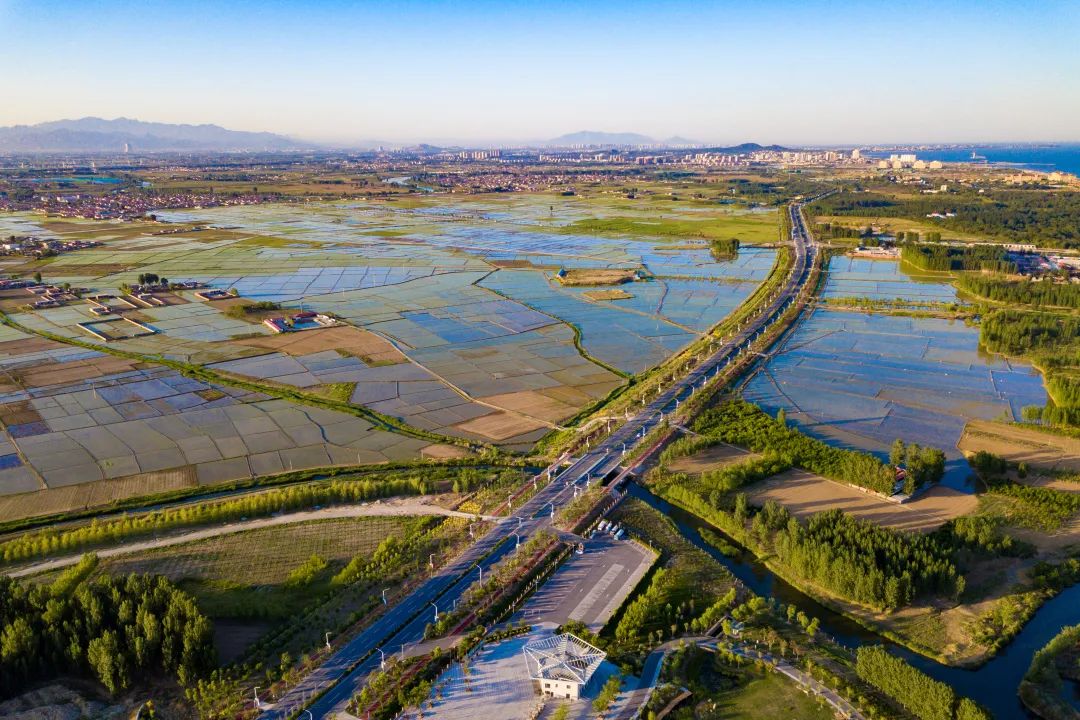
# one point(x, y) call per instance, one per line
point(785, 72)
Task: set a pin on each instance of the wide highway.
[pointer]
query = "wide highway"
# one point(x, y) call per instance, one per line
point(343, 673)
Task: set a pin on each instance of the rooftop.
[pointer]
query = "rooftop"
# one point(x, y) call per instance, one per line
point(563, 657)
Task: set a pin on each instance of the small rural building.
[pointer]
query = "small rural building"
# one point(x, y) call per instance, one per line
point(562, 665)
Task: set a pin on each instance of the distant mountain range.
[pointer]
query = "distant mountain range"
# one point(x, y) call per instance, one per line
point(92, 134)
point(595, 138)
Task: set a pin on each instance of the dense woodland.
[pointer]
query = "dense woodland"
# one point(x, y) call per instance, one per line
point(946, 258)
point(1052, 341)
point(921, 464)
point(920, 694)
point(114, 629)
point(859, 560)
point(1046, 217)
point(1042, 293)
point(724, 248)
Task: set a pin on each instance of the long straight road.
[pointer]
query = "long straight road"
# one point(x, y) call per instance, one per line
point(344, 671)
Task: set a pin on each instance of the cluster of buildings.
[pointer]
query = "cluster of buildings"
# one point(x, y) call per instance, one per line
point(1050, 266)
point(300, 321)
point(35, 247)
point(124, 205)
point(509, 180)
point(908, 160)
point(46, 296)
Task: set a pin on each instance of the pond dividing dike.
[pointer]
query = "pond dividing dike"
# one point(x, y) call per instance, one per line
point(993, 685)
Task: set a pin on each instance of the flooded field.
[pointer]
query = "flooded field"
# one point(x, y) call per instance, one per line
point(862, 380)
point(451, 317)
point(883, 280)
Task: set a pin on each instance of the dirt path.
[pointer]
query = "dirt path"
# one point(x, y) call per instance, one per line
point(375, 509)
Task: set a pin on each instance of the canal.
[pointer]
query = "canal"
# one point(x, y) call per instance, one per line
point(993, 685)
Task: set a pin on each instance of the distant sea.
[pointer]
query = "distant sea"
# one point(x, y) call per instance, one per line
point(1046, 158)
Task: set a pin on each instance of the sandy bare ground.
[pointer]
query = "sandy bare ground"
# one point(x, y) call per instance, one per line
point(350, 339)
point(413, 506)
point(500, 425)
point(804, 493)
point(711, 458)
point(1020, 444)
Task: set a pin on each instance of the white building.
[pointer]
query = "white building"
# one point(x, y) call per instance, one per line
point(562, 665)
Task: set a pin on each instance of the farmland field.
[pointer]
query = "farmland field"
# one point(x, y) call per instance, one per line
point(450, 319)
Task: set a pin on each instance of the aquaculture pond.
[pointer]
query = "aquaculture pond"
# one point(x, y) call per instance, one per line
point(883, 280)
point(862, 380)
point(993, 685)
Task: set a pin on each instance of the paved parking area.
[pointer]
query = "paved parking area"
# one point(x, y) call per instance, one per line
point(592, 586)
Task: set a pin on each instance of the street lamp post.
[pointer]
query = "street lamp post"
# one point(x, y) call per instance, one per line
point(258, 704)
point(436, 611)
point(384, 595)
point(327, 640)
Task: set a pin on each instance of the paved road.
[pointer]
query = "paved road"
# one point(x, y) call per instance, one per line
point(403, 623)
point(373, 509)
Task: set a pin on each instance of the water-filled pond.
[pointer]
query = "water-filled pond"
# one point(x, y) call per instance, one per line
point(862, 380)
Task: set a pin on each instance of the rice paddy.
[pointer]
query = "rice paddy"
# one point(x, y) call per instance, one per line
point(452, 320)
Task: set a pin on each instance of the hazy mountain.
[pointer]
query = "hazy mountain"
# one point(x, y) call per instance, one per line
point(595, 137)
point(92, 134)
point(744, 148)
point(679, 141)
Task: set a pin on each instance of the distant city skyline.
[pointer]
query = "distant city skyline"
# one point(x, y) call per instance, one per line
point(811, 73)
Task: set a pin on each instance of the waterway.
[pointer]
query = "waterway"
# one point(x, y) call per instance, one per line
point(1046, 158)
point(993, 685)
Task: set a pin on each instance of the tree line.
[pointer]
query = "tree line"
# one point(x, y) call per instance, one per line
point(114, 629)
point(98, 532)
point(1041, 293)
point(948, 258)
point(742, 423)
point(920, 694)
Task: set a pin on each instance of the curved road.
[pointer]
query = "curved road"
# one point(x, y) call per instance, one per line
point(326, 691)
point(375, 509)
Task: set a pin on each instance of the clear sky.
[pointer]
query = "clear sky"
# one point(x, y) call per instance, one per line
point(785, 72)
